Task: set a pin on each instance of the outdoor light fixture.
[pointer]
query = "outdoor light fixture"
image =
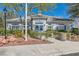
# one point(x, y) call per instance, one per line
point(5, 11)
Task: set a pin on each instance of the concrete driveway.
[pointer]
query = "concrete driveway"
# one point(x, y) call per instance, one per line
point(53, 49)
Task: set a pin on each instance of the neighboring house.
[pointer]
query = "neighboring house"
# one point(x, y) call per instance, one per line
point(76, 23)
point(60, 23)
point(41, 23)
point(13, 24)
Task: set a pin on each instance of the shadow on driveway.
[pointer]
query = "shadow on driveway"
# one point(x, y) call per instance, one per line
point(72, 54)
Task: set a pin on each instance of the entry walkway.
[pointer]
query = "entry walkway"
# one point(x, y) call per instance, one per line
point(53, 49)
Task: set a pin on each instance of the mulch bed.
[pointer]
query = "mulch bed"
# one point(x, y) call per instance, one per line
point(21, 41)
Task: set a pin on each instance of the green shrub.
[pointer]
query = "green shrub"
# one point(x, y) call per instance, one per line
point(61, 30)
point(58, 36)
point(32, 33)
point(35, 34)
point(55, 32)
point(48, 33)
point(17, 33)
point(2, 31)
point(75, 31)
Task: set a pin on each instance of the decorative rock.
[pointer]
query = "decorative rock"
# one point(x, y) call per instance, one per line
point(11, 38)
point(43, 37)
point(1, 39)
point(4, 41)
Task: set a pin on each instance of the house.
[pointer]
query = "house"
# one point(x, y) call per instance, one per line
point(36, 23)
point(41, 23)
point(59, 23)
point(76, 23)
point(15, 23)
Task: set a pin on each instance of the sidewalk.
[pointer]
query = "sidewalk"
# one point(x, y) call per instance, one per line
point(53, 49)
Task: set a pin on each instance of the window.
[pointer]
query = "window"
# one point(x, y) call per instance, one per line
point(41, 28)
point(36, 27)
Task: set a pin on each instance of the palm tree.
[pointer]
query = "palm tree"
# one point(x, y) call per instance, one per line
point(40, 6)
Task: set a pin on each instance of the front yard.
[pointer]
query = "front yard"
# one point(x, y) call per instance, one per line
point(12, 36)
point(12, 41)
point(16, 37)
point(57, 34)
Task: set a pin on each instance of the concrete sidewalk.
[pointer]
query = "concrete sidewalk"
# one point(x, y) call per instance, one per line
point(53, 49)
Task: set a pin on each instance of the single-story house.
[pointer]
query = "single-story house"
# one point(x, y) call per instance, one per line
point(13, 24)
point(41, 23)
point(75, 24)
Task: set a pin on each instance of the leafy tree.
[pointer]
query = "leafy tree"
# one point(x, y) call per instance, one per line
point(73, 10)
point(40, 6)
point(13, 9)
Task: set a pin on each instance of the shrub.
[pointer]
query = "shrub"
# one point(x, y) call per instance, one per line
point(2, 31)
point(59, 36)
point(48, 33)
point(32, 33)
point(61, 30)
point(75, 31)
point(17, 33)
point(56, 34)
point(36, 34)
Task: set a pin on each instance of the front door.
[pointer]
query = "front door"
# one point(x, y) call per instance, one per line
point(39, 28)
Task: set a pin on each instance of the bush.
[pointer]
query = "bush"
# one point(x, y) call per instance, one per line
point(56, 34)
point(39, 34)
point(17, 33)
point(32, 33)
point(2, 31)
point(75, 31)
point(61, 30)
point(48, 33)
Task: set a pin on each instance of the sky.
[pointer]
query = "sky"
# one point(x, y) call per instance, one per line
point(19, 13)
point(60, 10)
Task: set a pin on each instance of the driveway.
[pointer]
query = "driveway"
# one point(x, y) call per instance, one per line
point(53, 49)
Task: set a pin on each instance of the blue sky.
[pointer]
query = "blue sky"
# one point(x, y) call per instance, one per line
point(19, 13)
point(60, 10)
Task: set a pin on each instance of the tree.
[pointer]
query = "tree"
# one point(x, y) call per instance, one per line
point(73, 10)
point(13, 9)
point(40, 6)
